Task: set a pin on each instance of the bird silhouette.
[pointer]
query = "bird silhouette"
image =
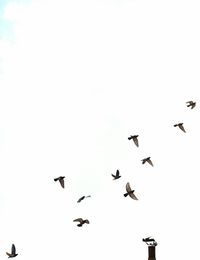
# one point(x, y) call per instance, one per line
point(180, 125)
point(13, 252)
point(147, 160)
point(148, 239)
point(82, 198)
point(116, 176)
point(135, 139)
point(130, 192)
point(191, 104)
point(61, 180)
point(81, 221)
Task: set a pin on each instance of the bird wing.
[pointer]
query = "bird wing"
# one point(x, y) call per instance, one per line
point(189, 102)
point(129, 138)
point(56, 179)
point(78, 220)
point(79, 200)
point(8, 254)
point(150, 162)
point(132, 195)
point(193, 105)
point(87, 221)
point(113, 175)
point(128, 188)
point(62, 183)
point(13, 250)
point(135, 140)
point(182, 128)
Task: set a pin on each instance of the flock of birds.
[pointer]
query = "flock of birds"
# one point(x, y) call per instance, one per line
point(129, 192)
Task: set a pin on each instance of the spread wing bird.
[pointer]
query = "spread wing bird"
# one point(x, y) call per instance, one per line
point(130, 192)
point(148, 159)
point(191, 104)
point(13, 252)
point(148, 239)
point(81, 221)
point(116, 176)
point(61, 180)
point(82, 198)
point(135, 139)
point(180, 125)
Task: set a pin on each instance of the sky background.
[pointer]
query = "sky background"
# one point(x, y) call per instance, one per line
point(77, 78)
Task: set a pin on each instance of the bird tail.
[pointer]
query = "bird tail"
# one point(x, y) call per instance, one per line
point(125, 194)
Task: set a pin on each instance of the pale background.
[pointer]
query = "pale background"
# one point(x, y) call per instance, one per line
point(76, 79)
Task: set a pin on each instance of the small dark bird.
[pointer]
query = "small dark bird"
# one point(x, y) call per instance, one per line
point(81, 221)
point(148, 239)
point(116, 176)
point(180, 125)
point(147, 160)
point(130, 192)
point(135, 139)
point(191, 104)
point(82, 198)
point(13, 252)
point(61, 180)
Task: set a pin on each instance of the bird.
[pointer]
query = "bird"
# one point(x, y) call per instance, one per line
point(191, 104)
point(130, 192)
point(61, 180)
point(148, 239)
point(82, 198)
point(135, 139)
point(116, 176)
point(81, 221)
point(180, 125)
point(13, 252)
point(147, 160)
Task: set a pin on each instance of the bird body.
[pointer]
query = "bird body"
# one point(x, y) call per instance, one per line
point(116, 176)
point(61, 180)
point(180, 125)
point(148, 159)
point(130, 192)
point(13, 252)
point(81, 221)
point(82, 198)
point(191, 104)
point(135, 139)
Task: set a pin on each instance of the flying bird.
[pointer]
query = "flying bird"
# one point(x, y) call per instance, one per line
point(61, 180)
point(180, 125)
point(135, 139)
point(82, 198)
point(13, 252)
point(116, 176)
point(191, 104)
point(81, 221)
point(148, 239)
point(130, 192)
point(147, 160)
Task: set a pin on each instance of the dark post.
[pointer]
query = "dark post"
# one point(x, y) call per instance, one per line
point(152, 253)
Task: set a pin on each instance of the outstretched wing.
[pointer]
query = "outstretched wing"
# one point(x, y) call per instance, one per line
point(135, 140)
point(13, 250)
point(132, 195)
point(182, 128)
point(150, 162)
point(78, 220)
point(62, 183)
point(128, 188)
point(117, 173)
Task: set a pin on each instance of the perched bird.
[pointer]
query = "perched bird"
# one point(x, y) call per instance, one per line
point(82, 198)
point(81, 221)
point(61, 180)
point(147, 160)
point(13, 252)
point(180, 125)
point(135, 139)
point(116, 176)
point(130, 192)
point(191, 104)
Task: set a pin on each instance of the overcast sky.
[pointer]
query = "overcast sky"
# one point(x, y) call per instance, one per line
point(77, 78)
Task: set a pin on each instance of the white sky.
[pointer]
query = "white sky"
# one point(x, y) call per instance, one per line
point(77, 79)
